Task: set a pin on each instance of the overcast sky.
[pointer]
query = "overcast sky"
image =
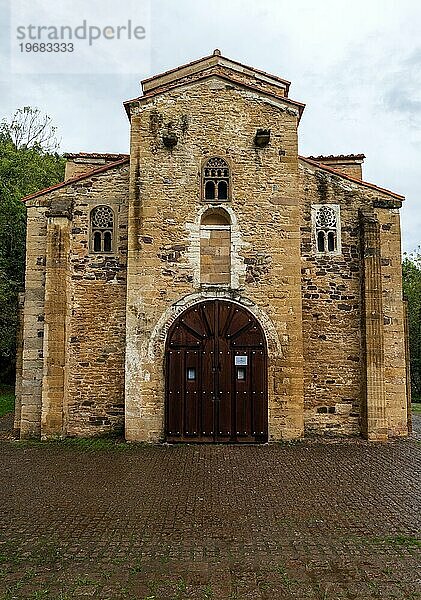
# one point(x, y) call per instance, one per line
point(356, 65)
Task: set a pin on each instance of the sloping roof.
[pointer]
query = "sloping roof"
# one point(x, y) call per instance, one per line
point(299, 105)
point(93, 155)
point(338, 157)
point(78, 178)
point(126, 159)
point(219, 66)
point(332, 170)
point(217, 58)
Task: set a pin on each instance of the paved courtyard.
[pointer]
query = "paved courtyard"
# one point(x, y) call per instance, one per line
point(309, 520)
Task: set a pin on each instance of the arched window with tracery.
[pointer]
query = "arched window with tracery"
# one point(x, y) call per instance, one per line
point(215, 247)
point(326, 223)
point(102, 229)
point(216, 180)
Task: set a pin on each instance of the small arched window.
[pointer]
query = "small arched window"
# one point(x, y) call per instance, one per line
point(321, 241)
point(216, 180)
point(209, 190)
point(102, 229)
point(327, 228)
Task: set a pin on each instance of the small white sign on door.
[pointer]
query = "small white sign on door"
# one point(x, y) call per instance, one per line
point(240, 361)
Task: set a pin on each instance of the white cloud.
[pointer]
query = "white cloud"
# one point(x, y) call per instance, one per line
point(356, 66)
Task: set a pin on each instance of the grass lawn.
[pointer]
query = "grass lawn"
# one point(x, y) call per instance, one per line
point(7, 399)
point(416, 407)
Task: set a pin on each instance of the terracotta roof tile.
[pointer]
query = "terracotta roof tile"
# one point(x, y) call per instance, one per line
point(195, 62)
point(320, 165)
point(106, 155)
point(77, 178)
point(338, 157)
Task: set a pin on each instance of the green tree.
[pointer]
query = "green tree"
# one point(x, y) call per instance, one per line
point(27, 164)
point(411, 269)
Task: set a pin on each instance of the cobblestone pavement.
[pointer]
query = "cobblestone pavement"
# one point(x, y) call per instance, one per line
point(309, 520)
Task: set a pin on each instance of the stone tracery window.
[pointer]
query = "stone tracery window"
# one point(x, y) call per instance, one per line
point(102, 229)
point(216, 180)
point(326, 225)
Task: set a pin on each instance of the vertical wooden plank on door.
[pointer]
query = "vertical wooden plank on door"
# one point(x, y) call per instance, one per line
point(207, 403)
point(192, 360)
point(175, 393)
point(223, 380)
point(242, 393)
point(224, 392)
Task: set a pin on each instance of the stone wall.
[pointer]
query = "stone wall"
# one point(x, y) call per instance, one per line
point(217, 65)
point(29, 422)
point(393, 314)
point(96, 338)
point(95, 324)
point(351, 170)
point(215, 255)
point(331, 312)
point(212, 118)
point(77, 167)
point(350, 165)
point(74, 320)
point(333, 322)
point(56, 302)
point(80, 164)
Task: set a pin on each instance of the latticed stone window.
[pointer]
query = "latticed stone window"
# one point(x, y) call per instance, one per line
point(326, 227)
point(102, 229)
point(216, 180)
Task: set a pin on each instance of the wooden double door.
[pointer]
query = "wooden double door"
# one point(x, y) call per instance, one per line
point(216, 383)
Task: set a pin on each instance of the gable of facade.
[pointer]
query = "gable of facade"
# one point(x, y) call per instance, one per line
point(216, 286)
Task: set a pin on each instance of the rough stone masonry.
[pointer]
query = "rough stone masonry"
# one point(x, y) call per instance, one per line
point(213, 203)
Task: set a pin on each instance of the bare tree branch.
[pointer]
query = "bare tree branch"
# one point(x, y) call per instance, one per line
point(29, 128)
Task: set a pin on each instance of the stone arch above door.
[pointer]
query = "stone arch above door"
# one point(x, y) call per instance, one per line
point(156, 344)
point(145, 373)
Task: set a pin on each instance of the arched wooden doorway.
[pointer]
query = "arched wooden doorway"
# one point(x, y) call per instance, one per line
point(216, 384)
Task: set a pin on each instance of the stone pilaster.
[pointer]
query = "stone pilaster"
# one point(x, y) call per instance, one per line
point(33, 323)
point(374, 421)
point(53, 389)
point(135, 429)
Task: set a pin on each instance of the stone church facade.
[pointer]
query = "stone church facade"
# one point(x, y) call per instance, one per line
point(213, 285)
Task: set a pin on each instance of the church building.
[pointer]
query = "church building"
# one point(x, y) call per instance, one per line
point(213, 285)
